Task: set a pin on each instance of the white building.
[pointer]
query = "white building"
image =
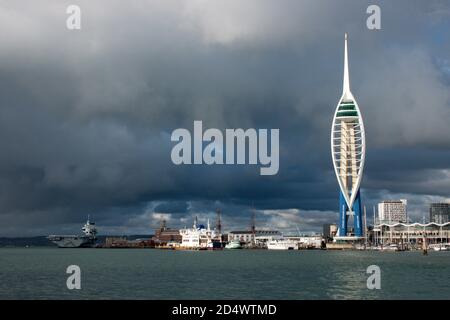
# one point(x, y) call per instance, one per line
point(411, 234)
point(392, 211)
point(259, 237)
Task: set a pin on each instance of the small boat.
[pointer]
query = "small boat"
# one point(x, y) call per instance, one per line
point(391, 247)
point(214, 245)
point(440, 246)
point(235, 244)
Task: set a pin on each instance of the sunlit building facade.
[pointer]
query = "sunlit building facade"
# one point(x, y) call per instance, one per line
point(392, 211)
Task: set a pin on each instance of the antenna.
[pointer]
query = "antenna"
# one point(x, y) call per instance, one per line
point(365, 225)
point(218, 222)
point(374, 223)
point(253, 226)
point(163, 224)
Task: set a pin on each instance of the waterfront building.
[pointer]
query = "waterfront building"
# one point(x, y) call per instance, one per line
point(242, 236)
point(412, 234)
point(329, 231)
point(348, 154)
point(439, 212)
point(257, 237)
point(111, 242)
point(262, 237)
point(392, 211)
point(123, 242)
point(164, 234)
point(200, 237)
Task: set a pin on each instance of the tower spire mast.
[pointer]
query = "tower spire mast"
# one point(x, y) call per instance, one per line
point(346, 85)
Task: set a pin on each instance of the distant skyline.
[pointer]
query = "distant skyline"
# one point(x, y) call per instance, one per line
point(86, 115)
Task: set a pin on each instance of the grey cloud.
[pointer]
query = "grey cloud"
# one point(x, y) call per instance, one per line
point(86, 116)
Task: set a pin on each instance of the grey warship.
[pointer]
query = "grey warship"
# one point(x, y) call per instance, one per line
point(86, 240)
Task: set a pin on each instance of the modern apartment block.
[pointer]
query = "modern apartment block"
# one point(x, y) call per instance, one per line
point(439, 212)
point(392, 211)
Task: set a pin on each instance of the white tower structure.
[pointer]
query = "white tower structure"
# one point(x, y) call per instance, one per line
point(348, 153)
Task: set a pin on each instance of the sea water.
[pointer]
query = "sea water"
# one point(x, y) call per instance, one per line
point(40, 273)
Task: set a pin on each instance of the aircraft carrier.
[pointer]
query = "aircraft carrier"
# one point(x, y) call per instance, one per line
point(86, 240)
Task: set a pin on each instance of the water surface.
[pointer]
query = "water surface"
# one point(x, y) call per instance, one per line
point(40, 273)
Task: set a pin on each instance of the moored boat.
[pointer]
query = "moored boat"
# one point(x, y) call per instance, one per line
point(235, 244)
point(87, 240)
point(440, 246)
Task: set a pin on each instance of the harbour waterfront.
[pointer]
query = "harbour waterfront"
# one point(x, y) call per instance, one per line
point(40, 273)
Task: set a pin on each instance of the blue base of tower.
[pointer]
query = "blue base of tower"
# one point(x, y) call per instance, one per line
point(343, 217)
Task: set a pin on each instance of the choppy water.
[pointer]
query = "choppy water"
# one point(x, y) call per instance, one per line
point(40, 273)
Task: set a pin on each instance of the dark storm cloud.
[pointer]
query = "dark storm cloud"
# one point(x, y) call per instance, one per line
point(86, 116)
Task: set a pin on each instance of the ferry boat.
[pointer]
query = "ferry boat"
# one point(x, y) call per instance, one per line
point(235, 244)
point(200, 237)
point(87, 240)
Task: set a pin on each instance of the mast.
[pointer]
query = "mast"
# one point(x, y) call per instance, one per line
point(407, 231)
point(253, 227)
point(218, 222)
point(424, 241)
point(374, 232)
point(365, 225)
point(162, 224)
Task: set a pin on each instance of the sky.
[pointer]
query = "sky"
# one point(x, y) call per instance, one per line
point(86, 115)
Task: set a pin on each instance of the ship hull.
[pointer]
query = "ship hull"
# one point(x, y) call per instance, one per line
point(73, 242)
